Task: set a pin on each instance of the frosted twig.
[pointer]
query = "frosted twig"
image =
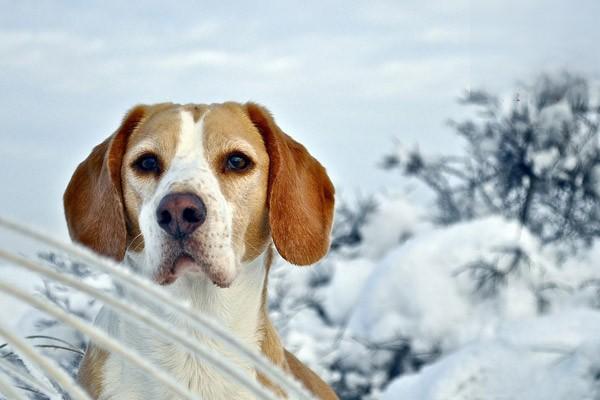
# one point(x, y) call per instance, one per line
point(8, 390)
point(28, 352)
point(26, 378)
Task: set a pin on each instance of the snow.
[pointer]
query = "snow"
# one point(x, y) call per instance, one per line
point(539, 325)
point(396, 220)
point(421, 290)
point(553, 117)
point(12, 311)
point(554, 357)
point(341, 295)
point(544, 160)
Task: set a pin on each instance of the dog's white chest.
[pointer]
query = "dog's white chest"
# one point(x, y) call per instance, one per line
point(124, 384)
point(237, 307)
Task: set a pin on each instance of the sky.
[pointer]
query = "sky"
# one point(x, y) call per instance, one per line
point(347, 79)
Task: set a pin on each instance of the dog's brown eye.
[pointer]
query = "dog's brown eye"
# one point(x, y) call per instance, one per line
point(148, 163)
point(237, 162)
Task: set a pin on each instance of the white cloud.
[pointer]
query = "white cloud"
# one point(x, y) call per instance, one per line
point(446, 35)
point(198, 58)
point(405, 77)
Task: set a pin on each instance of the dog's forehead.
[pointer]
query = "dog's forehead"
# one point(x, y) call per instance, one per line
point(221, 123)
point(227, 124)
point(160, 130)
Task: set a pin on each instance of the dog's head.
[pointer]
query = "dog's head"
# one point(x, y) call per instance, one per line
point(200, 188)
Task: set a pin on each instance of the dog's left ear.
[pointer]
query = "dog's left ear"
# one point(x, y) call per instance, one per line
point(300, 194)
point(93, 199)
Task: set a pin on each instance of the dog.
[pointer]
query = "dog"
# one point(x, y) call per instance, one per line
point(195, 197)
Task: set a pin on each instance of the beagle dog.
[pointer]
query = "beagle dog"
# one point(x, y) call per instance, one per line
point(194, 197)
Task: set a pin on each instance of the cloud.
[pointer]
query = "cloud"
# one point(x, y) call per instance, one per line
point(19, 46)
point(401, 77)
point(446, 35)
point(198, 58)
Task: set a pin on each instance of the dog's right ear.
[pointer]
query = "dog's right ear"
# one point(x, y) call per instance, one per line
point(93, 200)
point(300, 194)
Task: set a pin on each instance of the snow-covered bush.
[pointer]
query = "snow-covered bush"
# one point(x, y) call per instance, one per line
point(534, 158)
point(378, 317)
point(48, 335)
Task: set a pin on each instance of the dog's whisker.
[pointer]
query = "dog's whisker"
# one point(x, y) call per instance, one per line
point(139, 246)
point(132, 243)
point(251, 246)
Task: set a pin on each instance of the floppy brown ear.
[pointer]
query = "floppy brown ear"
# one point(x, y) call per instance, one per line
point(300, 194)
point(93, 199)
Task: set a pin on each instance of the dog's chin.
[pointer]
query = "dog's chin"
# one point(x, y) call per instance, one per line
point(184, 263)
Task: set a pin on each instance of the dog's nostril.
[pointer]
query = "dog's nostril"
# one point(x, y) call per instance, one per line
point(164, 217)
point(180, 214)
point(192, 215)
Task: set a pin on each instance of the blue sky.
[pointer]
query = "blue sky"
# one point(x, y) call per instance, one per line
point(343, 77)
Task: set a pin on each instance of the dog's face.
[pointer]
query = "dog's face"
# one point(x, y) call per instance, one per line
point(194, 187)
point(199, 190)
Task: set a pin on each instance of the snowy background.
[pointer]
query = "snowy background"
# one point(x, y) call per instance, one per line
point(490, 290)
point(463, 139)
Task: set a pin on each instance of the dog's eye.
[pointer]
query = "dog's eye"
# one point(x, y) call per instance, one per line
point(237, 162)
point(147, 163)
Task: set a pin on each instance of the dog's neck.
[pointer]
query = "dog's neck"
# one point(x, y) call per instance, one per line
point(237, 308)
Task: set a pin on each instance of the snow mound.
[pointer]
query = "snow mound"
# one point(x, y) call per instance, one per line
point(424, 290)
point(555, 357)
point(395, 220)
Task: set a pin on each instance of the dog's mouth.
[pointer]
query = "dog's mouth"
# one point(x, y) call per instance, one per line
point(184, 263)
point(170, 271)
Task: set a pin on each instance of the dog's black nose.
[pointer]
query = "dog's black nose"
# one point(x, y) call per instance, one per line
point(180, 214)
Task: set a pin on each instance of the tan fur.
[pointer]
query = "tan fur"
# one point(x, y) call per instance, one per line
point(271, 345)
point(158, 134)
point(93, 200)
point(91, 373)
point(310, 380)
point(286, 195)
point(227, 130)
point(273, 349)
point(301, 196)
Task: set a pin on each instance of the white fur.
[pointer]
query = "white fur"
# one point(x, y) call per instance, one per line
point(189, 171)
point(236, 307)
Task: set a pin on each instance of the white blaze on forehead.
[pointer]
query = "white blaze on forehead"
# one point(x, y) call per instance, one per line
point(189, 171)
point(189, 146)
point(190, 166)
